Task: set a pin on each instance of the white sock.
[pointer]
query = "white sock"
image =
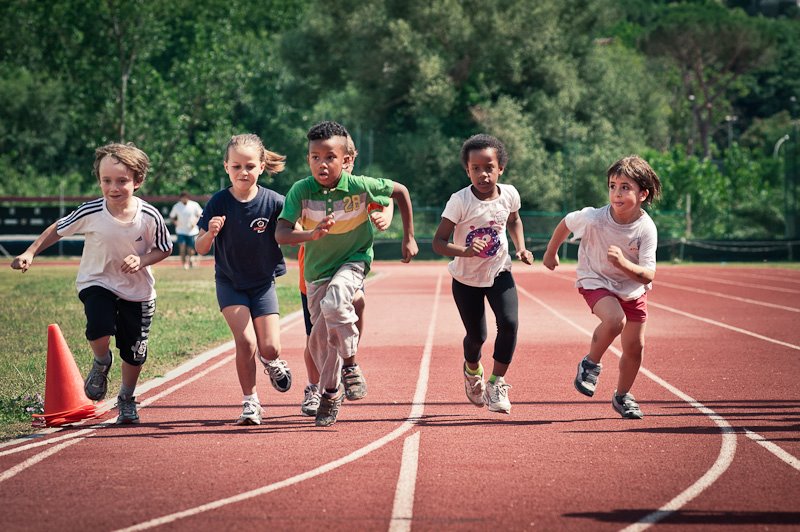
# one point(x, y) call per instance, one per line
point(251, 398)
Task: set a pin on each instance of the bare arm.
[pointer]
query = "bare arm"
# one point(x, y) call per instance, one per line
point(288, 233)
point(560, 234)
point(517, 234)
point(134, 263)
point(633, 271)
point(48, 237)
point(401, 196)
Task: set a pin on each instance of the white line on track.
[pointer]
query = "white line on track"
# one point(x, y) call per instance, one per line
point(417, 409)
point(727, 296)
point(711, 279)
point(774, 449)
point(403, 507)
point(726, 452)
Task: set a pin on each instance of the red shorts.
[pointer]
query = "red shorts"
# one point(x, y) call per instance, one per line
point(635, 310)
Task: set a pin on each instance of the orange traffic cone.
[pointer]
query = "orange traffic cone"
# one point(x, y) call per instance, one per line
point(64, 398)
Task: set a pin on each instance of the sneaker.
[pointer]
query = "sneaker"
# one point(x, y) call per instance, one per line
point(586, 379)
point(355, 386)
point(310, 403)
point(127, 411)
point(96, 383)
point(474, 387)
point(329, 408)
point(251, 414)
point(279, 373)
point(496, 396)
point(626, 406)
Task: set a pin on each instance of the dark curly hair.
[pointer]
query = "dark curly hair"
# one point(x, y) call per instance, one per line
point(326, 130)
point(482, 141)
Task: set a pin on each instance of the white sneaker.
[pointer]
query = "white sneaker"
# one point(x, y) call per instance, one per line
point(474, 387)
point(311, 398)
point(251, 414)
point(496, 396)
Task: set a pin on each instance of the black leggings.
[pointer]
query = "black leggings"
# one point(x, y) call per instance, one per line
point(502, 297)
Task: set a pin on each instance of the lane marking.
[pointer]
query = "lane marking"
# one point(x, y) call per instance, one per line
point(727, 296)
point(35, 459)
point(774, 449)
point(724, 325)
point(734, 283)
point(403, 507)
point(720, 465)
point(417, 409)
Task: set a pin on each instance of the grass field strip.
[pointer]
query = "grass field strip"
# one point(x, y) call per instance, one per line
point(727, 448)
point(417, 409)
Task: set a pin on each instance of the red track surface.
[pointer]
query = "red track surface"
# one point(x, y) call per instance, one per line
point(715, 367)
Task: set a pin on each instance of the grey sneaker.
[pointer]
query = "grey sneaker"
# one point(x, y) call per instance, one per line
point(626, 406)
point(251, 414)
point(311, 397)
point(355, 386)
point(496, 396)
point(329, 408)
point(279, 373)
point(127, 411)
point(586, 379)
point(96, 384)
point(474, 387)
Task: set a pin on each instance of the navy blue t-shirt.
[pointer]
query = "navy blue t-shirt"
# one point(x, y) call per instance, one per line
point(245, 251)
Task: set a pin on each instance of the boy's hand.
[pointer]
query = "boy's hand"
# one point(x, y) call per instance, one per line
point(615, 256)
point(525, 256)
point(22, 262)
point(410, 249)
point(323, 227)
point(550, 260)
point(378, 218)
point(215, 225)
point(131, 264)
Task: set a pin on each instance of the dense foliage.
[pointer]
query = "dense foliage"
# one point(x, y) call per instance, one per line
point(704, 89)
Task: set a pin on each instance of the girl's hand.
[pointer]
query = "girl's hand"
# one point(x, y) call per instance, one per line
point(323, 227)
point(131, 264)
point(525, 256)
point(215, 225)
point(22, 262)
point(550, 260)
point(615, 256)
point(478, 245)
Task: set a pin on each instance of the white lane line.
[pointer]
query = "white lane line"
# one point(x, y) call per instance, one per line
point(724, 325)
point(720, 465)
point(774, 449)
point(403, 507)
point(727, 296)
point(710, 279)
point(35, 459)
point(417, 409)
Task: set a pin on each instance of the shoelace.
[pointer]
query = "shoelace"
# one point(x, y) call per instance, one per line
point(591, 374)
point(628, 403)
point(500, 391)
point(127, 408)
point(476, 383)
point(277, 369)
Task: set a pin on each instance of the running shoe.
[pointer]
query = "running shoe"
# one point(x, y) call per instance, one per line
point(355, 386)
point(496, 396)
point(626, 406)
point(279, 373)
point(586, 379)
point(96, 384)
point(474, 388)
point(329, 408)
point(251, 414)
point(311, 397)
point(127, 411)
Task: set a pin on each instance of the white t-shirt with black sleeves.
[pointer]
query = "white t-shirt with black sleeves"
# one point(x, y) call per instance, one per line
point(109, 240)
point(597, 230)
point(475, 218)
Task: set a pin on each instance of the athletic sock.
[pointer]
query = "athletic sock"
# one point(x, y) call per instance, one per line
point(492, 378)
point(471, 371)
point(251, 398)
point(126, 392)
point(104, 361)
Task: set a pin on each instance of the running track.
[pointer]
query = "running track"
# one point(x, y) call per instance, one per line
point(718, 448)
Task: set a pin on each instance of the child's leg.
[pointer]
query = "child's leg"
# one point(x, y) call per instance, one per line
point(631, 360)
point(268, 335)
point(240, 324)
point(101, 349)
point(502, 298)
point(612, 321)
point(130, 376)
point(359, 303)
point(471, 308)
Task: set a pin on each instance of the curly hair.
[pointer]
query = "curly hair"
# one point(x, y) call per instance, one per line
point(128, 154)
point(482, 141)
point(327, 130)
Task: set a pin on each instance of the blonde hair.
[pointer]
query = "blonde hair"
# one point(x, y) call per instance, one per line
point(274, 162)
point(128, 154)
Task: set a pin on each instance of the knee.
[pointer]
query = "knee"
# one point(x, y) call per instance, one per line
point(615, 324)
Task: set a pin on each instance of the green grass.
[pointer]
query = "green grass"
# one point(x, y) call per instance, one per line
point(187, 322)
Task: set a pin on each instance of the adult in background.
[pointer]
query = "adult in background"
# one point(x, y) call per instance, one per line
point(185, 214)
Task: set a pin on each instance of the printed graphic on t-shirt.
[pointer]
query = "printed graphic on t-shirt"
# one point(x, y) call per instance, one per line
point(259, 225)
point(633, 245)
point(488, 235)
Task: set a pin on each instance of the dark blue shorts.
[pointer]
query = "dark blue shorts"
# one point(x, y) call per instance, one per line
point(261, 300)
point(186, 239)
